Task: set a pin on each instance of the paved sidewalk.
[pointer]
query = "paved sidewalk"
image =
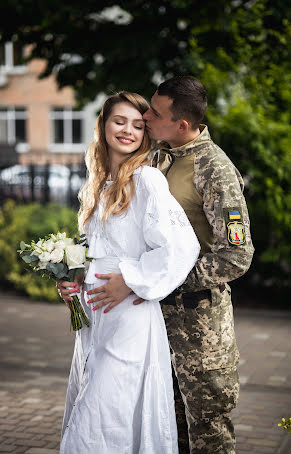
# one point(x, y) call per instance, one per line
point(35, 353)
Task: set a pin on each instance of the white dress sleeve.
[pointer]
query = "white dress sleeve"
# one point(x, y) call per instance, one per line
point(172, 245)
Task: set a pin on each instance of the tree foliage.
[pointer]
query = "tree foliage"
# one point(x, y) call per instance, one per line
point(96, 46)
point(239, 49)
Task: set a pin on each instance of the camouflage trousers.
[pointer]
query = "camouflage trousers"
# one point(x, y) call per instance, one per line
point(204, 357)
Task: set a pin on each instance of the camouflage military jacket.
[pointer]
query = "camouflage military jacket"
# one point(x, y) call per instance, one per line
point(210, 189)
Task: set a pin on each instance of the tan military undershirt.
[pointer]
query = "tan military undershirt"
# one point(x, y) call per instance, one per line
point(181, 183)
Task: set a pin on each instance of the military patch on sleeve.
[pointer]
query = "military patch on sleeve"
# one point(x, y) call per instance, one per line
point(235, 227)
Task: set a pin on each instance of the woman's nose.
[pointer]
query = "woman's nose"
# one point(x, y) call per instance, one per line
point(127, 129)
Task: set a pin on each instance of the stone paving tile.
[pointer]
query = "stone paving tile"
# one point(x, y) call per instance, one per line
point(7, 448)
point(35, 363)
point(42, 451)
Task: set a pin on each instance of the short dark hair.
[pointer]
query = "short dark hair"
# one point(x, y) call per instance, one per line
point(189, 98)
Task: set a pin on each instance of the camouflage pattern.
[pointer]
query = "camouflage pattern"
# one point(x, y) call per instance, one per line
point(218, 188)
point(204, 356)
point(183, 439)
point(202, 340)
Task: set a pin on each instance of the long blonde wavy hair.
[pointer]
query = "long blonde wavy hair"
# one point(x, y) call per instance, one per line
point(118, 195)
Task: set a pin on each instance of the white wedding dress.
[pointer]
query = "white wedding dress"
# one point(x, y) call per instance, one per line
point(120, 392)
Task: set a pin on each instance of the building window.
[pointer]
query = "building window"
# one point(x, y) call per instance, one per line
point(67, 129)
point(13, 125)
point(11, 57)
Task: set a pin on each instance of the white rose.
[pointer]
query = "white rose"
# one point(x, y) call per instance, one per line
point(68, 241)
point(37, 251)
point(57, 255)
point(61, 236)
point(39, 243)
point(45, 257)
point(49, 245)
point(75, 256)
point(42, 265)
point(60, 244)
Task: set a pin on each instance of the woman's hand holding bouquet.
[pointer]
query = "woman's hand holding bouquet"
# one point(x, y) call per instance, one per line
point(61, 258)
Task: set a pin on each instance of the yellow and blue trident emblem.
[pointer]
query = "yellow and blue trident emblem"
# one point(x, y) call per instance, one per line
point(235, 229)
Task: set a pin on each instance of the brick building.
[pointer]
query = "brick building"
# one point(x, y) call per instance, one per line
point(38, 120)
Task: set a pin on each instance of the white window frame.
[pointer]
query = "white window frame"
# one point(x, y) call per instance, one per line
point(67, 115)
point(9, 67)
point(11, 115)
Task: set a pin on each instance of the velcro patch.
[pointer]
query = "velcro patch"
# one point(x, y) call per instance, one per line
point(235, 227)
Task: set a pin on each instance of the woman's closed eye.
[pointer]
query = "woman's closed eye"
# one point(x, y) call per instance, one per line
point(121, 123)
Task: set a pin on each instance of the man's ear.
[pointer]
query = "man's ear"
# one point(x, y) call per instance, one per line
point(184, 126)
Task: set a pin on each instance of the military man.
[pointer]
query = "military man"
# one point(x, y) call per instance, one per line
point(199, 315)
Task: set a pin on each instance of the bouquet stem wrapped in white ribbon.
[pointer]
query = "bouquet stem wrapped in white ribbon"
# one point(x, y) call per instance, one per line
point(59, 257)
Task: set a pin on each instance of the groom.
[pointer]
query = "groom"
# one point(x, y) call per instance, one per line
point(198, 315)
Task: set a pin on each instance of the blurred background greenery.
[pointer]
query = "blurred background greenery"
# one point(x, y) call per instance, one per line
point(24, 223)
point(240, 50)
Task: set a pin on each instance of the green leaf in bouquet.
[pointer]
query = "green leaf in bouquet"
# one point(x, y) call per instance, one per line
point(34, 258)
point(54, 268)
point(61, 275)
point(63, 267)
point(23, 253)
point(27, 258)
point(62, 271)
point(60, 266)
point(22, 245)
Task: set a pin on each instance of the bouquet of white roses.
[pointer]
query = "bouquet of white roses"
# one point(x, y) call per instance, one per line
point(59, 257)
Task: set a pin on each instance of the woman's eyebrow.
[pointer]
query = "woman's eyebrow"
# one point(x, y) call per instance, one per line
point(125, 118)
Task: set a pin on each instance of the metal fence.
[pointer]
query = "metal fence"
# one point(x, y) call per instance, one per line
point(42, 183)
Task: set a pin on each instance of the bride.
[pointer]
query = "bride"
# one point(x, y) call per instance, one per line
point(120, 396)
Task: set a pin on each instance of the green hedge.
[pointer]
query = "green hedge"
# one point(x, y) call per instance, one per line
point(30, 222)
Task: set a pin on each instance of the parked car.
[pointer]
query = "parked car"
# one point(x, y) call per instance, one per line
point(17, 182)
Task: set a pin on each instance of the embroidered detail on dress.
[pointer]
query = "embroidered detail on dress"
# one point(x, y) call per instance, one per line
point(152, 219)
point(178, 218)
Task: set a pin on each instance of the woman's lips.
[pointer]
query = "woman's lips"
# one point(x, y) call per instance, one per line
point(125, 140)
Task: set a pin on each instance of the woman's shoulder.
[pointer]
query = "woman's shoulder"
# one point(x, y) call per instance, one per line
point(150, 178)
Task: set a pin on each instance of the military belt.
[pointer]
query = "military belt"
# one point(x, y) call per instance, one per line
point(190, 300)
